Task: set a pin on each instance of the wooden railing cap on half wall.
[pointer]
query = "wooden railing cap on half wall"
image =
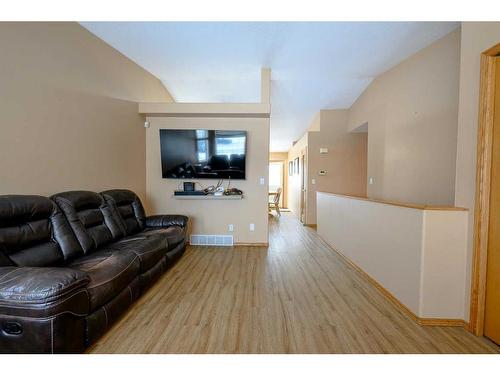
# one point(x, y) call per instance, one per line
point(400, 204)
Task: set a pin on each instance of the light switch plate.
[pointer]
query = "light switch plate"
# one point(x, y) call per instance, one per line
point(370, 180)
point(262, 181)
point(323, 150)
point(252, 227)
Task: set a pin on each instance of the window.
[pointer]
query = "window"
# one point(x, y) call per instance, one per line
point(202, 145)
point(229, 143)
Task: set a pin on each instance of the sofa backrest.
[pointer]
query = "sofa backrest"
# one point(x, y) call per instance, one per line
point(91, 219)
point(34, 233)
point(128, 207)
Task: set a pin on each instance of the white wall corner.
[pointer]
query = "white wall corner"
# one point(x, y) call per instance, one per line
point(421, 290)
point(265, 86)
point(443, 279)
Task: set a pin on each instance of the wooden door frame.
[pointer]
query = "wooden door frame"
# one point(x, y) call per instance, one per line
point(303, 185)
point(483, 184)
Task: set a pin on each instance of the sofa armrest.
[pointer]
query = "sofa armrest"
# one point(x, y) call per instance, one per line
point(165, 221)
point(42, 291)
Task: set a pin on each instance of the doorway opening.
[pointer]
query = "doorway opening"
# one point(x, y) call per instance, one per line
point(276, 178)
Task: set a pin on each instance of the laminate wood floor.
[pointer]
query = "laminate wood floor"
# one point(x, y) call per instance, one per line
point(297, 296)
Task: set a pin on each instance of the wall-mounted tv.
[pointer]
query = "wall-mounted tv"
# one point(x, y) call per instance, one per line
point(201, 153)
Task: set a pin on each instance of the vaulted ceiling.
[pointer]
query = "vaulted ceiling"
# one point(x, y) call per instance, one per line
point(314, 65)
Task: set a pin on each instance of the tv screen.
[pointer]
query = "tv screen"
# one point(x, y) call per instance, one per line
point(201, 153)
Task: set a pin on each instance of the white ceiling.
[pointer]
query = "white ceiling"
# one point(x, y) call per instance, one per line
point(314, 65)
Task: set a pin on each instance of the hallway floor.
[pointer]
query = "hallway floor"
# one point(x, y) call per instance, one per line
point(297, 296)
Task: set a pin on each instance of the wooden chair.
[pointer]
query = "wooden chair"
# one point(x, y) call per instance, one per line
point(275, 204)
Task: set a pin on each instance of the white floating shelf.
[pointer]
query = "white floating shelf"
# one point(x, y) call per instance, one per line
point(208, 197)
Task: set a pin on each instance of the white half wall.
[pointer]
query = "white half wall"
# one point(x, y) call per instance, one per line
point(417, 254)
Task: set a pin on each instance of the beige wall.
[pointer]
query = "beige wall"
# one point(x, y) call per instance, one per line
point(345, 163)
point(412, 113)
point(278, 155)
point(476, 38)
point(315, 125)
point(68, 110)
point(214, 216)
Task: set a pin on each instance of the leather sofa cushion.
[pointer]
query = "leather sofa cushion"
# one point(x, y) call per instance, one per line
point(150, 250)
point(43, 292)
point(171, 236)
point(39, 285)
point(163, 221)
point(33, 232)
point(91, 219)
point(109, 272)
point(174, 227)
point(102, 319)
point(174, 235)
point(128, 207)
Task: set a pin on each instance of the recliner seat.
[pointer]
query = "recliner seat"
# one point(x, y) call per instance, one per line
point(129, 209)
point(42, 302)
point(70, 266)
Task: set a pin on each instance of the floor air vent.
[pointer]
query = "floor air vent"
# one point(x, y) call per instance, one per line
point(210, 240)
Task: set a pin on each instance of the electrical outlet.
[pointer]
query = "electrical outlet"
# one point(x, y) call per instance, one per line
point(313, 181)
point(262, 181)
point(252, 227)
point(230, 227)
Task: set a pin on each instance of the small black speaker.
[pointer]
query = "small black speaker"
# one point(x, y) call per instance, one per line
point(188, 186)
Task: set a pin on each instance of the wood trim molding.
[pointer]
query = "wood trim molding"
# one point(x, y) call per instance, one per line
point(248, 244)
point(483, 182)
point(399, 204)
point(205, 109)
point(252, 244)
point(422, 321)
point(493, 51)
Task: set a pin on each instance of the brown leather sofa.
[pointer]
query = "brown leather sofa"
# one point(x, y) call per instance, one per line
point(71, 264)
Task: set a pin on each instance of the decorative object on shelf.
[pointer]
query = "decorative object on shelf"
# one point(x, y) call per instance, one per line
point(210, 191)
point(233, 191)
point(217, 188)
point(189, 186)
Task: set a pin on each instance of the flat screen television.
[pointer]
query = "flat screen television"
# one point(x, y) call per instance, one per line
point(201, 153)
